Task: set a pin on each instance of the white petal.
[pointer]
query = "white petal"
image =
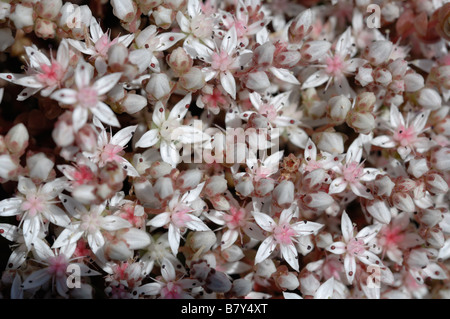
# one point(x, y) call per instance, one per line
point(368, 233)
point(337, 248)
point(337, 186)
point(106, 83)
point(36, 279)
point(79, 117)
point(347, 227)
point(65, 96)
point(265, 249)
point(228, 83)
point(315, 79)
point(149, 139)
point(160, 220)
point(174, 238)
point(180, 109)
point(264, 221)
point(10, 206)
point(325, 290)
point(123, 136)
point(111, 223)
point(306, 228)
point(290, 254)
point(57, 216)
point(105, 114)
point(229, 41)
point(229, 238)
point(284, 75)
point(169, 153)
point(350, 267)
point(166, 42)
point(83, 74)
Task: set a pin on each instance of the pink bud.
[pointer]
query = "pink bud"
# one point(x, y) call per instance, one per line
point(300, 27)
point(146, 5)
point(379, 51)
point(314, 50)
point(436, 184)
point(264, 186)
point(361, 122)
point(180, 61)
point(364, 75)
point(331, 142)
point(288, 281)
point(48, 9)
point(319, 200)
point(7, 166)
point(193, 80)
point(86, 138)
point(163, 17)
point(383, 76)
point(125, 10)
point(45, 29)
point(16, 139)
point(403, 202)
point(216, 185)
point(245, 186)
point(189, 179)
point(257, 81)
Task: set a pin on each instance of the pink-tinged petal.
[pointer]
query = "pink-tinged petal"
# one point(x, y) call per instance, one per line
point(346, 227)
point(246, 115)
point(41, 250)
point(255, 99)
point(123, 136)
point(159, 114)
point(368, 233)
point(168, 39)
point(196, 224)
point(229, 238)
point(287, 214)
point(160, 220)
point(228, 83)
point(174, 238)
point(338, 185)
point(435, 271)
point(350, 267)
point(10, 206)
point(106, 83)
point(216, 217)
point(111, 223)
point(383, 141)
point(169, 153)
point(396, 117)
point(229, 41)
point(337, 248)
point(95, 30)
point(325, 290)
point(316, 79)
point(79, 117)
point(65, 96)
point(265, 249)
point(36, 279)
point(180, 109)
point(284, 75)
point(83, 74)
point(105, 114)
point(264, 221)
point(290, 254)
point(183, 22)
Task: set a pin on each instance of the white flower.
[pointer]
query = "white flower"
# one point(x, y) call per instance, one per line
point(88, 96)
point(179, 216)
point(355, 246)
point(35, 205)
point(283, 234)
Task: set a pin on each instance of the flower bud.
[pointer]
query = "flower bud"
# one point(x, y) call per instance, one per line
point(134, 238)
point(300, 27)
point(245, 186)
point(133, 103)
point(365, 102)
point(418, 167)
point(22, 16)
point(379, 51)
point(338, 108)
point(436, 184)
point(7, 166)
point(361, 122)
point(16, 139)
point(85, 194)
point(264, 186)
point(163, 187)
point(112, 174)
point(441, 159)
point(86, 138)
point(364, 75)
point(189, 179)
point(413, 82)
point(193, 80)
point(117, 55)
point(232, 254)
point(39, 166)
point(241, 287)
point(383, 76)
point(257, 81)
point(202, 240)
point(288, 281)
point(284, 193)
point(216, 185)
point(147, 5)
point(125, 10)
point(218, 282)
point(384, 185)
point(266, 268)
point(309, 284)
point(5, 9)
point(319, 200)
point(403, 202)
point(429, 99)
point(159, 86)
point(45, 29)
point(180, 61)
point(159, 169)
point(163, 17)
point(48, 9)
point(330, 142)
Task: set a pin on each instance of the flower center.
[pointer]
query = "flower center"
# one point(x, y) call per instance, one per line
point(352, 172)
point(51, 74)
point(236, 217)
point(171, 291)
point(87, 97)
point(180, 217)
point(405, 136)
point(33, 205)
point(355, 247)
point(90, 222)
point(111, 153)
point(83, 176)
point(57, 266)
point(103, 44)
point(167, 130)
point(335, 65)
point(221, 62)
point(392, 237)
point(202, 26)
point(283, 234)
point(269, 111)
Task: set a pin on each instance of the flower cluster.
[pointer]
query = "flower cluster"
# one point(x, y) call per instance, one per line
point(225, 149)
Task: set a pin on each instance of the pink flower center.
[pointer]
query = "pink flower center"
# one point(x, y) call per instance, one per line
point(90, 222)
point(214, 99)
point(352, 172)
point(236, 218)
point(51, 74)
point(283, 234)
point(103, 44)
point(356, 247)
point(171, 291)
point(391, 236)
point(405, 136)
point(33, 205)
point(57, 266)
point(111, 153)
point(87, 97)
point(221, 62)
point(269, 111)
point(335, 65)
point(180, 217)
point(83, 176)
point(241, 28)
